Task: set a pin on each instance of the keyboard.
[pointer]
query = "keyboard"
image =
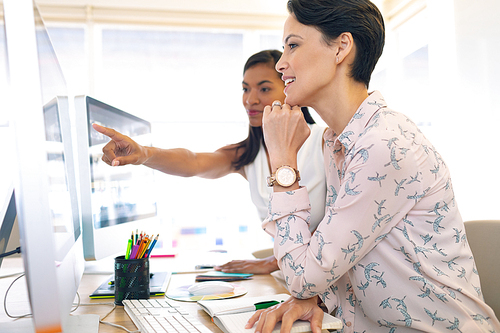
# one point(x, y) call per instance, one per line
point(158, 315)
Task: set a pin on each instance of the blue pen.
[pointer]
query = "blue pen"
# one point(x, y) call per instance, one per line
point(151, 246)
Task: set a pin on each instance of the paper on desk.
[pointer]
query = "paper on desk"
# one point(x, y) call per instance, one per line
point(214, 307)
point(235, 323)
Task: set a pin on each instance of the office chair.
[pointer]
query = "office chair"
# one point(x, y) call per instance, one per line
point(261, 254)
point(484, 240)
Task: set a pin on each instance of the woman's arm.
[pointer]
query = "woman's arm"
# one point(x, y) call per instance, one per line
point(185, 163)
point(255, 266)
point(122, 150)
point(285, 131)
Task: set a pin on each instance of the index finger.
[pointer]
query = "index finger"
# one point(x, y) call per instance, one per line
point(255, 317)
point(109, 132)
point(269, 318)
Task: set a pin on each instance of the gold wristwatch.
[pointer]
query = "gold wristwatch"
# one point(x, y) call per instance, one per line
point(285, 176)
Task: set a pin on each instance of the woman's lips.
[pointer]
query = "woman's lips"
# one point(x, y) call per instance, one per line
point(288, 81)
point(252, 113)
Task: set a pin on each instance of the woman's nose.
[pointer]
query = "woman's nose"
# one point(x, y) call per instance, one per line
point(252, 98)
point(280, 65)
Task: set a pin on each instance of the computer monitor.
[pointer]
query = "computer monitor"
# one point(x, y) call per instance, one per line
point(115, 201)
point(49, 226)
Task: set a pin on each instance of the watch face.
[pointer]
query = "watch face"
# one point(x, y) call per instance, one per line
point(285, 176)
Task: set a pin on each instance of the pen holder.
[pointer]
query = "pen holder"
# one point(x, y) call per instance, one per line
point(131, 279)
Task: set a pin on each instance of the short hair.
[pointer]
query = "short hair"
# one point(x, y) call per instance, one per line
point(359, 17)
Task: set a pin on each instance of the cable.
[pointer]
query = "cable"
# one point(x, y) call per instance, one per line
point(115, 325)
point(101, 320)
point(76, 306)
point(6, 254)
point(5, 301)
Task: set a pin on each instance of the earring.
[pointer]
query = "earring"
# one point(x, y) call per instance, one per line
point(337, 59)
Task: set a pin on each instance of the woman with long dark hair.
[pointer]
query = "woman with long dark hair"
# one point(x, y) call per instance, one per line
point(262, 85)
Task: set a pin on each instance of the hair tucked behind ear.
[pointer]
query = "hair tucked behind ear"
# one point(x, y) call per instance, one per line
point(251, 145)
point(359, 17)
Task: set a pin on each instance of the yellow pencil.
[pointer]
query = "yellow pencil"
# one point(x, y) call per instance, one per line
point(143, 243)
point(148, 241)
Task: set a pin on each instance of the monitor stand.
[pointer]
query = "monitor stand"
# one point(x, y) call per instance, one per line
point(82, 324)
point(102, 266)
point(86, 323)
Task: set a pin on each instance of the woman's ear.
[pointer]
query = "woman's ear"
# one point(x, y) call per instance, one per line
point(345, 44)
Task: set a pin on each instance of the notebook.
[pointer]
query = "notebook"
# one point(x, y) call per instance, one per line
point(235, 322)
point(158, 284)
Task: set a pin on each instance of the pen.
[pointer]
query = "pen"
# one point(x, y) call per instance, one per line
point(134, 251)
point(255, 307)
point(129, 248)
point(151, 246)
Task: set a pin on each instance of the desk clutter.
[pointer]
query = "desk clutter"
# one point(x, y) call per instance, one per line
point(215, 292)
point(182, 293)
point(132, 279)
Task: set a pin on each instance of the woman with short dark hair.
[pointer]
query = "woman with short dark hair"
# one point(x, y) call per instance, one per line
point(391, 254)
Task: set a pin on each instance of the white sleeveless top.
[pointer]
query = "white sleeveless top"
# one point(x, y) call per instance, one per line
point(312, 173)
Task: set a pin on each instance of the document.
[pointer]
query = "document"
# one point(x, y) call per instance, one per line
point(231, 315)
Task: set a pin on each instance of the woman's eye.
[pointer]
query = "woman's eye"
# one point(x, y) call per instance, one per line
point(265, 89)
point(245, 89)
point(292, 46)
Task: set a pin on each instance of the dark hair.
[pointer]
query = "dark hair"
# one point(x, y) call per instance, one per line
point(359, 17)
point(251, 145)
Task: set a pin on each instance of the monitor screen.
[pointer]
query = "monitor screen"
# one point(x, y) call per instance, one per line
point(115, 201)
point(124, 196)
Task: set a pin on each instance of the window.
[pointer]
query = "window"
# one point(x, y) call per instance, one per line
point(187, 82)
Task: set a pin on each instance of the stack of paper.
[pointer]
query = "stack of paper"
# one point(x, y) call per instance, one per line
point(231, 315)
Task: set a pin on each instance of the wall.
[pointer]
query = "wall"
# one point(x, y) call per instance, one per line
point(440, 67)
point(470, 112)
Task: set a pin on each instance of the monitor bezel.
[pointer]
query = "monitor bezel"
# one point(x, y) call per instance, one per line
point(52, 284)
point(61, 103)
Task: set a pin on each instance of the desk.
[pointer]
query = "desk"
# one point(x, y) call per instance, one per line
point(17, 301)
